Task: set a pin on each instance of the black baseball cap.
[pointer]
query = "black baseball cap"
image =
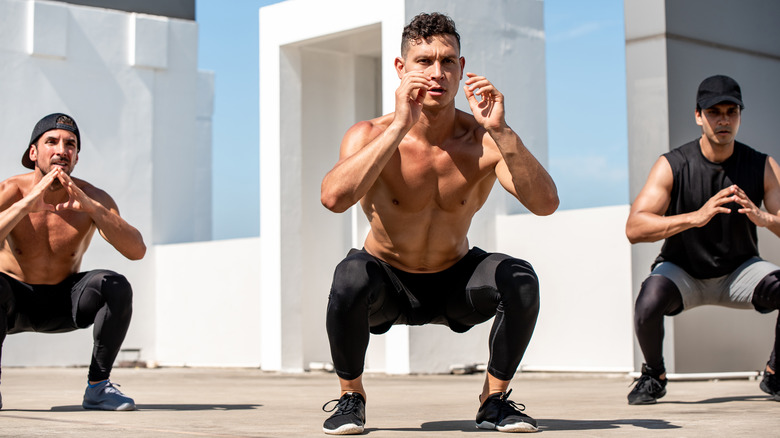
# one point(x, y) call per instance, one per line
point(718, 89)
point(52, 121)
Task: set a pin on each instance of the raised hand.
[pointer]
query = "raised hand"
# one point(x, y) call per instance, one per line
point(750, 209)
point(715, 205)
point(489, 109)
point(409, 97)
point(36, 195)
point(77, 199)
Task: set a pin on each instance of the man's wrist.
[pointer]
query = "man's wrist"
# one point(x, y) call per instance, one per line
point(500, 131)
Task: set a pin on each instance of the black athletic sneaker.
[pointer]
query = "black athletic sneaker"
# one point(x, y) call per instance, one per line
point(771, 385)
point(350, 415)
point(502, 414)
point(649, 388)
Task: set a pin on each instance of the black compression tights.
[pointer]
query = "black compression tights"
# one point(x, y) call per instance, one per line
point(766, 297)
point(363, 300)
point(659, 296)
point(107, 301)
point(103, 298)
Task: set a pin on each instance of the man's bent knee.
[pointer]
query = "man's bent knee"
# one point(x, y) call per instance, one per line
point(117, 291)
point(518, 285)
point(354, 278)
point(104, 288)
point(658, 296)
point(766, 295)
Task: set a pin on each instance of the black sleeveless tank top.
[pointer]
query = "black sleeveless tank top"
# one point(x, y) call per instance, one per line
point(729, 239)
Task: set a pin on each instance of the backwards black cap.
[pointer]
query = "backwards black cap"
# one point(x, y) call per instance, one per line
point(52, 121)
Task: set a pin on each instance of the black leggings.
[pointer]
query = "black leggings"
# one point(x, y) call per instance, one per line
point(103, 298)
point(659, 296)
point(369, 296)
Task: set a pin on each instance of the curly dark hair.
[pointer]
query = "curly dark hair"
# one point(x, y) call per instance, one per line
point(424, 26)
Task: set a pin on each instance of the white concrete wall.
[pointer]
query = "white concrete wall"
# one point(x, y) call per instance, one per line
point(583, 261)
point(208, 299)
point(144, 112)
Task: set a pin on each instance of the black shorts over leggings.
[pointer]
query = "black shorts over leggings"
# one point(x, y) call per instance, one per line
point(369, 296)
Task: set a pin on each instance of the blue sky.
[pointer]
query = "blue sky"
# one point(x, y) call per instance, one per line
point(586, 105)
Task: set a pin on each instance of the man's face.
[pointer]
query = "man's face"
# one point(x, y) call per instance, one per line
point(55, 148)
point(439, 58)
point(720, 123)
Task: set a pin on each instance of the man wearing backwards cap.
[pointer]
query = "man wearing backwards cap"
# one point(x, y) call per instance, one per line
point(703, 198)
point(47, 220)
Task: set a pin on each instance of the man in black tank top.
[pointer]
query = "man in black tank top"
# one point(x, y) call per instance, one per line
point(703, 199)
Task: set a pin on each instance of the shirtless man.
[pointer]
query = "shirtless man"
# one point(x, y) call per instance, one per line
point(420, 174)
point(47, 220)
point(703, 199)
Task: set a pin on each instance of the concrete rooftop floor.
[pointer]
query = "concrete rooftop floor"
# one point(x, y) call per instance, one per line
point(187, 402)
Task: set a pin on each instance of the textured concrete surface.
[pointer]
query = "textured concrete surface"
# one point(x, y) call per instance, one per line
point(181, 402)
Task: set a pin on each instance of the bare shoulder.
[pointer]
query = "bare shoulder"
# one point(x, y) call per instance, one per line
point(656, 193)
point(771, 175)
point(661, 173)
point(468, 129)
point(361, 133)
point(466, 122)
point(12, 189)
point(771, 169)
point(370, 128)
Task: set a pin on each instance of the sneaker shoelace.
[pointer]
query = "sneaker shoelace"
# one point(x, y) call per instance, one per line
point(645, 380)
point(508, 407)
point(112, 387)
point(344, 405)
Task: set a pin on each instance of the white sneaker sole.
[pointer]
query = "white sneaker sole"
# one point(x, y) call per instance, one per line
point(122, 407)
point(511, 428)
point(346, 429)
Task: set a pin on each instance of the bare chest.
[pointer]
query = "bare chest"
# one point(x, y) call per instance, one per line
point(51, 234)
point(444, 179)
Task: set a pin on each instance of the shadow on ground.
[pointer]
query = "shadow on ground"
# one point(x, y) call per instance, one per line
point(544, 424)
point(161, 407)
point(716, 400)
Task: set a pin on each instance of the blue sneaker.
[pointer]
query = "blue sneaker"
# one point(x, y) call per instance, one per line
point(105, 396)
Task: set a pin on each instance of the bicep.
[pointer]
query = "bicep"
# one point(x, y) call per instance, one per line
point(772, 186)
point(655, 196)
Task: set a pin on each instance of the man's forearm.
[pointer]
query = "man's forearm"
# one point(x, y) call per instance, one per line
point(121, 235)
point(533, 185)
